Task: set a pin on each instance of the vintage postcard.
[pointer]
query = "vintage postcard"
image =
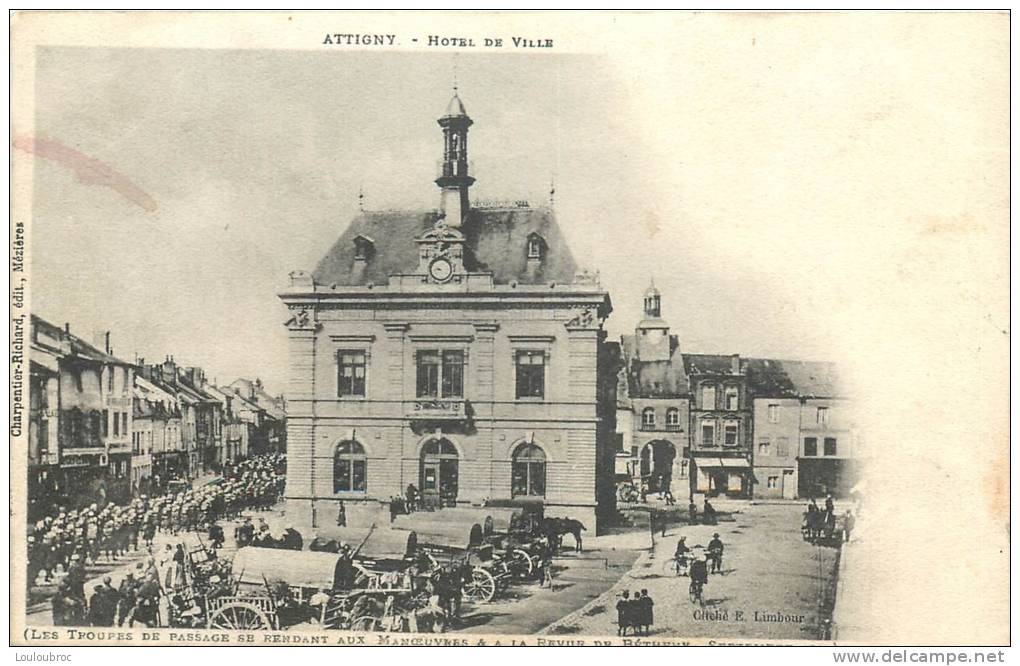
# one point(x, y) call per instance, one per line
point(509, 328)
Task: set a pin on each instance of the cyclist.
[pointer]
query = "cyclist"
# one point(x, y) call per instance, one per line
point(681, 556)
point(699, 576)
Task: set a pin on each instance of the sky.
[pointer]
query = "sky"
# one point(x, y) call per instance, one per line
point(729, 176)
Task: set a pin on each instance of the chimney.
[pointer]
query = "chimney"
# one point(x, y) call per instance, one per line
point(735, 364)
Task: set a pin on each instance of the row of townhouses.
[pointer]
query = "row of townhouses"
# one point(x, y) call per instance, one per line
point(726, 425)
point(462, 350)
point(102, 428)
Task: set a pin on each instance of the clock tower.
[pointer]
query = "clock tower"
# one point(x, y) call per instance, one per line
point(454, 179)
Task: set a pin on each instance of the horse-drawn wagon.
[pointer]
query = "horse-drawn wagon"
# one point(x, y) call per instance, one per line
point(370, 588)
point(459, 551)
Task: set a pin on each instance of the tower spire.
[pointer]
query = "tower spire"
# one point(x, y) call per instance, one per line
point(454, 179)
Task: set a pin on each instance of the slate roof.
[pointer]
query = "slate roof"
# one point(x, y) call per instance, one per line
point(496, 241)
point(655, 379)
point(708, 364)
point(774, 378)
point(79, 348)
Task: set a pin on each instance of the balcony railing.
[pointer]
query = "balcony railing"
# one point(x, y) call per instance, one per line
point(673, 427)
point(438, 408)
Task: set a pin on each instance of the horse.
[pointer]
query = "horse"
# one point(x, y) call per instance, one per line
point(555, 528)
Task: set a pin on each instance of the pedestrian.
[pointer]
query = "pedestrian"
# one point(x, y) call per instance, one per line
point(647, 615)
point(68, 610)
point(412, 497)
point(623, 614)
point(179, 558)
point(103, 605)
point(128, 598)
point(848, 525)
point(341, 516)
point(637, 618)
point(692, 512)
point(715, 553)
point(546, 569)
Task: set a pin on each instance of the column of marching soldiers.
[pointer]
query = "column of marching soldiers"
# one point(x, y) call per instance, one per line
point(61, 546)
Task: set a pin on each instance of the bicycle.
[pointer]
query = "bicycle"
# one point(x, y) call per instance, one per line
point(696, 589)
point(675, 567)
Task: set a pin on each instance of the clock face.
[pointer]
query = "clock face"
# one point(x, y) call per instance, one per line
point(440, 270)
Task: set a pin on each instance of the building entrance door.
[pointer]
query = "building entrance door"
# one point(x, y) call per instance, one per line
point(439, 471)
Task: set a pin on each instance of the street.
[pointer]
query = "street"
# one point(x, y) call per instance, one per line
point(772, 584)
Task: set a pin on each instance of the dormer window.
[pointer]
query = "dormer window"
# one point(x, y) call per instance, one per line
point(536, 246)
point(363, 248)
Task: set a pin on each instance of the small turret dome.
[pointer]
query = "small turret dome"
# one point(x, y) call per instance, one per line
point(455, 107)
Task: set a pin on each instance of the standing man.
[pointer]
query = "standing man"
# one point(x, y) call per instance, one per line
point(715, 553)
point(647, 613)
point(692, 510)
point(848, 525)
point(623, 614)
point(341, 516)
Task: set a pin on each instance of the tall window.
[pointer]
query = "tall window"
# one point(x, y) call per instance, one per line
point(773, 482)
point(829, 446)
point(106, 423)
point(350, 471)
point(673, 419)
point(530, 374)
point(732, 398)
point(441, 373)
point(773, 413)
point(730, 434)
point(648, 418)
point(351, 372)
point(528, 476)
point(116, 424)
point(810, 446)
point(707, 434)
point(708, 397)
point(534, 247)
point(764, 447)
point(123, 422)
point(823, 415)
point(783, 447)
point(684, 468)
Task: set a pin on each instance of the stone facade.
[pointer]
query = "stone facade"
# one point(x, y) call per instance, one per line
point(456, 350)
point(654, 400)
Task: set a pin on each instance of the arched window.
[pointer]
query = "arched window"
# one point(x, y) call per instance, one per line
point(536, 246)
point(648, 418)
point(528, 476)
point(673, 419)
point(350, 468)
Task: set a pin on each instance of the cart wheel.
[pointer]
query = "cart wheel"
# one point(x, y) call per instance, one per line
point(481, 587)
point(239, 615)
point(523, 561)
point(365, 623)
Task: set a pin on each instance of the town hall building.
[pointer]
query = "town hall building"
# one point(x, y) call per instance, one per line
point(458, 350)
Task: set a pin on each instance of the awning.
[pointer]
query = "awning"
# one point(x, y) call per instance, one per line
point(735, 463)
point(702, 463)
